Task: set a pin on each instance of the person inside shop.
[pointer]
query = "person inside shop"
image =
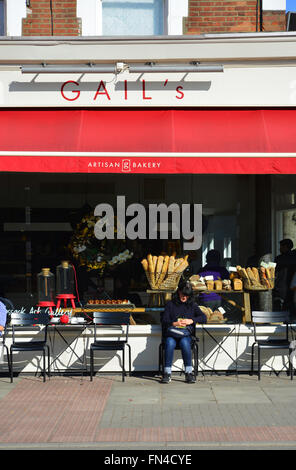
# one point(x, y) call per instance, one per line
point(194, 263)
point(179, 317)
point(212, 268)
point(284, 271)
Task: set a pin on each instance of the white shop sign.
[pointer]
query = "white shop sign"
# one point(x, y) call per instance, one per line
point(237, 86)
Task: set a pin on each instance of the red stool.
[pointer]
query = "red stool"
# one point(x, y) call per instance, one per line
point(66, 297)
point(47, 304)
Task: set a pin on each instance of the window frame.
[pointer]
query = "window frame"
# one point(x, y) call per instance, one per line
point(90, 12)
point(4, 18)
point(163, 15)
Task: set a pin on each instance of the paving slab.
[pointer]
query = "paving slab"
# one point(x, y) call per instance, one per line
point(217, 412)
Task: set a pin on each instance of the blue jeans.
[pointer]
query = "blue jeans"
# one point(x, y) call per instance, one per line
point(185, 346)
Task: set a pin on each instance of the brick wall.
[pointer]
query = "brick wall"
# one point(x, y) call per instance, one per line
point(230, 16)
point(214, 16)
point(274, 21)
point(55, 18)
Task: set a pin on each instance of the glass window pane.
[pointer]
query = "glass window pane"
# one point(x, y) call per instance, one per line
point(2, 30)
point(126, 18)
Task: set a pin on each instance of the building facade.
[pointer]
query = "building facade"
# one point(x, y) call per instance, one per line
point(157, 17)
point(224, 140)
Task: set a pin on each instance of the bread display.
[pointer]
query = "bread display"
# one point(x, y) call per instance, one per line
point(218, 284)
point(237, 284)
point(257, 278)
point(207, 311)
point(210, 284)
point(226, 284)
point(201, 284)
point(217, 316)
point(164, 272)
point(212, 317)
point(198, 283)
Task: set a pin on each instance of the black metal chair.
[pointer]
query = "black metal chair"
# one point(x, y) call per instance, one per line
point(2, 340)
point(9, 306)
point(194, 350)
point(118, 325)
point(25, 320)
point(261, 319)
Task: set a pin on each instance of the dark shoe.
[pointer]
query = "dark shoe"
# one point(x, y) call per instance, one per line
point(166, 379)
point(190, 378)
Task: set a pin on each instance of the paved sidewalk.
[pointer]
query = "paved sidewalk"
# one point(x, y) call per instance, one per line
point(218, 412)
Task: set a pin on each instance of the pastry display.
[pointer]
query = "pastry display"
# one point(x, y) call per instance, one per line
point(164, 272)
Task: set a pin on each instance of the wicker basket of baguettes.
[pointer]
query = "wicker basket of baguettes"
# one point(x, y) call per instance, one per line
point(261, 278)
point(164, 272)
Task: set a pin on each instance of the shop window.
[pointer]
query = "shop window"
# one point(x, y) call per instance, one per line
point(154, 189)
point(2, 18)
point(227, 248)
point(132, 17)
point(207, 245)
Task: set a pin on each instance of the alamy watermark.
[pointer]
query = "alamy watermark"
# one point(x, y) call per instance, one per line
point(159, 225)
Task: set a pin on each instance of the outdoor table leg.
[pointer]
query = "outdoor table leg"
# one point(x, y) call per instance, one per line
point(219, 344)
point(69, 345)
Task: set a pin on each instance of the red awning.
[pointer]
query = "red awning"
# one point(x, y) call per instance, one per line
point(148, 140)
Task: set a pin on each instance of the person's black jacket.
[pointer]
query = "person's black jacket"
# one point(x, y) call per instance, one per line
point(175, 309)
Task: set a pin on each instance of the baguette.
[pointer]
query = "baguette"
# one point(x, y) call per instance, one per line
point(164, 270)
point(154, 261)
point(251, 276)
point(144, 263)
point(158, 268)
point(177, 264)
point(268, 274)
point(171, 264)
point(272, 272)
point(182, 266)
point(151, 271)
point(150, 263)
point(263, 277)
point(256, 275)
point(242, 273)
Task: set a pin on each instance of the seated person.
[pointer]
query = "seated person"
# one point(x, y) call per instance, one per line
point(212, 268)
point(180, 312)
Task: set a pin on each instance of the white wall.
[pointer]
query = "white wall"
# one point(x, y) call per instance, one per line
point(236, 340)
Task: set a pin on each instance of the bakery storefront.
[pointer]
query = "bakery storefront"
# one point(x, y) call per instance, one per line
point(215, 149)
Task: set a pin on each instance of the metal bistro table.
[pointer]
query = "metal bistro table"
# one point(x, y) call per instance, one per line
point(229, 329)
point(60, 330)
